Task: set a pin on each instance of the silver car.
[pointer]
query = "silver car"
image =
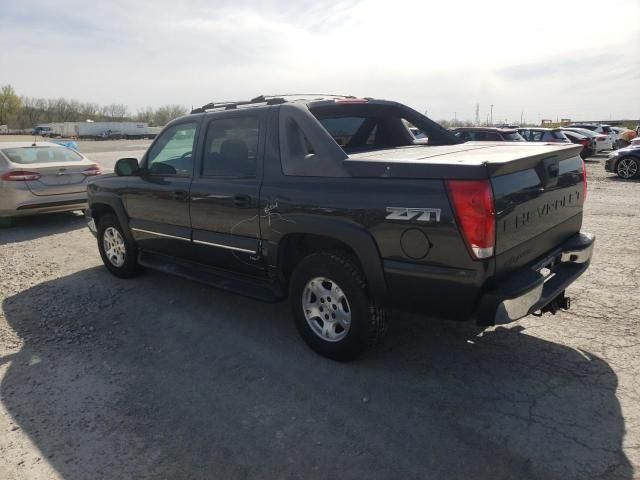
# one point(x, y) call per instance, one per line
point(42, 177)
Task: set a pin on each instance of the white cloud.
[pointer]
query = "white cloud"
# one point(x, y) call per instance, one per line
point(557, 59)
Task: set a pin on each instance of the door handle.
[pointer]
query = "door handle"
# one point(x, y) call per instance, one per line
point(179, 195)
point(242, 200)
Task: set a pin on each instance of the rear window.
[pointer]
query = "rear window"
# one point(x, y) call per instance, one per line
point(558, 135)
point(512, 137)
point(29, 155)
point(342, 129)
point(606, 129)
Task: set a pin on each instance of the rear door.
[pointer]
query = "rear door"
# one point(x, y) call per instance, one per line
point(225, 214)
point(157, 201)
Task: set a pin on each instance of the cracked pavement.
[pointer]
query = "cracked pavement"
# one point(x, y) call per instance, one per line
point(158, 377)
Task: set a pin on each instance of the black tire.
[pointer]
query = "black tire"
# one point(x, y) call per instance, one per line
point(628, 168)
point(367, 320)
point(129, 268)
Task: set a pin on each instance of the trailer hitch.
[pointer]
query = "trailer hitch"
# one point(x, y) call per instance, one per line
point(561, 302)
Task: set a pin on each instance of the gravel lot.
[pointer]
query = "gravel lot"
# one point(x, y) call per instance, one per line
point(158, 377)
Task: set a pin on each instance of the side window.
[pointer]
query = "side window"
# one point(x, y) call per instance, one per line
point(493, 137)
point(479, 136)
point(537, 136)
point(172, 153)
point(231, 147)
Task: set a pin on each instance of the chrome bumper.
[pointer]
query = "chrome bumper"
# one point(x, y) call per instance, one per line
point(528, 291)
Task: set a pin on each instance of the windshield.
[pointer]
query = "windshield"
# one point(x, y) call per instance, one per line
point(32, 155)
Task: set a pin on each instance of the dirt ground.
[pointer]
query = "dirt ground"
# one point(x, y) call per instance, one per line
point(161, 378)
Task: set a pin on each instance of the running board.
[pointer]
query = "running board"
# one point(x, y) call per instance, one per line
point(243, 285)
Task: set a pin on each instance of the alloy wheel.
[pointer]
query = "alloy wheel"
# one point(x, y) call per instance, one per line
point(627, 168)
point(114, 246)
point(326, 309)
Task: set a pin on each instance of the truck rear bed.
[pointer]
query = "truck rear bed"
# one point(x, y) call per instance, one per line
point(538, 189)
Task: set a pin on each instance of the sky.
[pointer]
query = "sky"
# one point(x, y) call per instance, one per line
point(539, 59)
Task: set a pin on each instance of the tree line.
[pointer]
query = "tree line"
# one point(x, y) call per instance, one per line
point(22, 112)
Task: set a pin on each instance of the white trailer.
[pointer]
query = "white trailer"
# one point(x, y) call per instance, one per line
point(101, 130)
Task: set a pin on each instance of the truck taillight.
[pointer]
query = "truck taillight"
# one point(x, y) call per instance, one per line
point(472, 202)
point(20, 175)
point(584, 181)
point(93, 170)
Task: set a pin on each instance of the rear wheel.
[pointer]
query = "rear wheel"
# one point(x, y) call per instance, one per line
point(331, 306)
point(118, 253)
point(628, 168)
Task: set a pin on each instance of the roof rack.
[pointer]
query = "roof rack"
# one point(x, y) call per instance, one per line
point(267, 100)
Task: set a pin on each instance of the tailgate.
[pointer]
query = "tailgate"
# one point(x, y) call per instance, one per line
point(538, 203)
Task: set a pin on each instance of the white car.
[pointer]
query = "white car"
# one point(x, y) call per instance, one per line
point(602, 129)
point(600, 141)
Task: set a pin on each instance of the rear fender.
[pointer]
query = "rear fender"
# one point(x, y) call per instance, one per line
point(352, 235)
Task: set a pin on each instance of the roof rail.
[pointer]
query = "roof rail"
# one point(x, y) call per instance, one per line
point(266, 99)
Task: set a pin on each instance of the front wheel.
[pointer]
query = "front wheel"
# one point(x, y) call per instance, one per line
point(331, 306)
point(117, 252)
point(628, 168)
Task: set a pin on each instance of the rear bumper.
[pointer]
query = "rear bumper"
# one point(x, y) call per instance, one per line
point(463, 295)
point(19, 202)
point(529, 290)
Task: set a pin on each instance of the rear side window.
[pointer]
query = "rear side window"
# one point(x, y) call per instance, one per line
point(32, 155)
point(231, 147)
point(558, 135)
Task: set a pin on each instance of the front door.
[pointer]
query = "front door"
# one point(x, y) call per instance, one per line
point(225, 214)
point(158, 200)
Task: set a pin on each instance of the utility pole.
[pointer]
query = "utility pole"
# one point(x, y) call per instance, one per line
point(491, 113)
point(477, 114)
point(455, 118)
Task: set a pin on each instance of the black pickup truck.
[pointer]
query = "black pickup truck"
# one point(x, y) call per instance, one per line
point(333, 203)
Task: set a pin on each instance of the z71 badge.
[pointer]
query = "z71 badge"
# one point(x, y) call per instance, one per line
point(418, 214)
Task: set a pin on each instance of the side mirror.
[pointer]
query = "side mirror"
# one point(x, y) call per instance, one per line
point(127, 167)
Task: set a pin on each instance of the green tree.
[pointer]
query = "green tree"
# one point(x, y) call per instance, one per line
point(167, 113)
point(9, 104)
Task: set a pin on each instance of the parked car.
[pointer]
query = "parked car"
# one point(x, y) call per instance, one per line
point(600, 142)
point(602, 129)
point(334, 204)
point(42, 177)
point(487, 134)
point(553, 135)
point(625, 162)
point(42, 131)
point(587, 148)
point(625, 136)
